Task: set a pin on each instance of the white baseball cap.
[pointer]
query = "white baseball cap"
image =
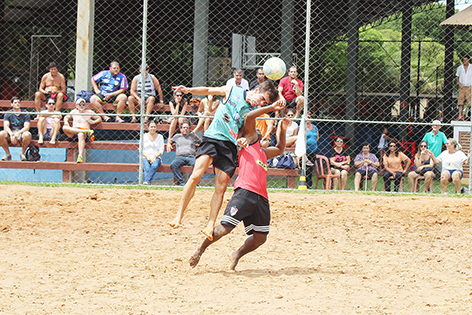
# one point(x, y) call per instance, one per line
point(80, 100)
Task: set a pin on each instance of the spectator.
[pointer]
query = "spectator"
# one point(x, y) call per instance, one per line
point(113, 85)
point(151, 85)
point(423, 167)
point(340, 163)
point(16, 125)
point(82, 119)
point(367, 165)
point(153, 147)
point(384, 139)
point(49, 123)
point(238, 80)
point(435, 140)
point(194, 110)
point(53, 85)
point(392, 161)
point(265, 127)
point(291, 89)
point(260, 78)
point(292, 130)
point(312, 138)
point(186, 144)
point(176, 105)
point(464, 80)
point(208, 105)
point(452, 160)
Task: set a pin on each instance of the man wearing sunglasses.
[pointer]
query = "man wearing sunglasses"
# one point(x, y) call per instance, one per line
point(82, 119)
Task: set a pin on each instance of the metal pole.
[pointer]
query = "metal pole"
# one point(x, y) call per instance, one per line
point(143, 77)
point(306, 77)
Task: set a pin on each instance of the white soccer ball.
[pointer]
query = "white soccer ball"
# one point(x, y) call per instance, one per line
point(274, 68)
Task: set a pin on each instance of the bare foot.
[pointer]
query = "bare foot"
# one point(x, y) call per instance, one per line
point(40, 141)
point(175, 224)
point(195, 259)
point(208, 231)
point(234, 260)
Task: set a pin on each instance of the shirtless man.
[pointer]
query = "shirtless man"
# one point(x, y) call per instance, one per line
point(80, 130)
point(219, 146)
point(53, 85)
point(250, 202)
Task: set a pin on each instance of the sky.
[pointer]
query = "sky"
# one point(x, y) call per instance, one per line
point(461, 4)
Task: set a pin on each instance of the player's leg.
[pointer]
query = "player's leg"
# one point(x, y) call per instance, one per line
point(201, 165)
point(221, 183)
point(251, 244)
point(218, 232)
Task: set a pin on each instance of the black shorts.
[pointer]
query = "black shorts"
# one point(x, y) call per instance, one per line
point(110, 100)
point(249, 207)
point(292, 103)
point(224, 154)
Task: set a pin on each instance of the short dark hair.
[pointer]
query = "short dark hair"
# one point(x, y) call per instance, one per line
point(50, 99)
point(466, 56)
point(15, 98)
point(365, 144)
point(268, 86)
point(52, 64)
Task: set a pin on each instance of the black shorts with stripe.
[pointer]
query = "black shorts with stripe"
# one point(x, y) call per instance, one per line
point(249, 207)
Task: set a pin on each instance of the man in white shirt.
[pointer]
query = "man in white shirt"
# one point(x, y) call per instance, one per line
point(238, 80)
point(464, 79)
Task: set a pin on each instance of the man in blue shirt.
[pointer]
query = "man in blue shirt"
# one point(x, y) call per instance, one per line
point(113, 85)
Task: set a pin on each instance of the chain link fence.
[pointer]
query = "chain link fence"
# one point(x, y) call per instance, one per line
point(371, 65)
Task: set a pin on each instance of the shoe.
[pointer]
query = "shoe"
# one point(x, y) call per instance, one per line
point(134, 120)
point(7, 157)
point(145, 183)
point(22, 157)
point(106, 118)
point(80, 159)
point(309, 163)
point(119, 120)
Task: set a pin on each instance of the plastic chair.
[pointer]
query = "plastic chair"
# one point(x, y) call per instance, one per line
point(417, 184)
point(322, 164)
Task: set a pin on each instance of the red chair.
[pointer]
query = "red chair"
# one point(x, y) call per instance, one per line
point(324, 172)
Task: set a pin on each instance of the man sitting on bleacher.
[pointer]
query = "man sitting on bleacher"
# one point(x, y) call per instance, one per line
point(186, 144)
point(80, 130)
point(113, 85)
point(16, 125)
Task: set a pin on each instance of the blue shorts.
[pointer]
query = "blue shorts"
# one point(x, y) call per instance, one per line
point(452, 172)
point(47, 135)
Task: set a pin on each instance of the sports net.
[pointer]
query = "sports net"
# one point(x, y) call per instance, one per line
point(371, 65)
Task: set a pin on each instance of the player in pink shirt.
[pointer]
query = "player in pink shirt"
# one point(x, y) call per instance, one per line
point(250, 202)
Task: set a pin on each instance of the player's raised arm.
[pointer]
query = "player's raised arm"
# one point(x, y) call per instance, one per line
point(280, 146)
point(202, 90)
point(250, 121)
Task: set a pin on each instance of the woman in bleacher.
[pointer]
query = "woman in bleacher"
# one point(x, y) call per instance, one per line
point(153, 147)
